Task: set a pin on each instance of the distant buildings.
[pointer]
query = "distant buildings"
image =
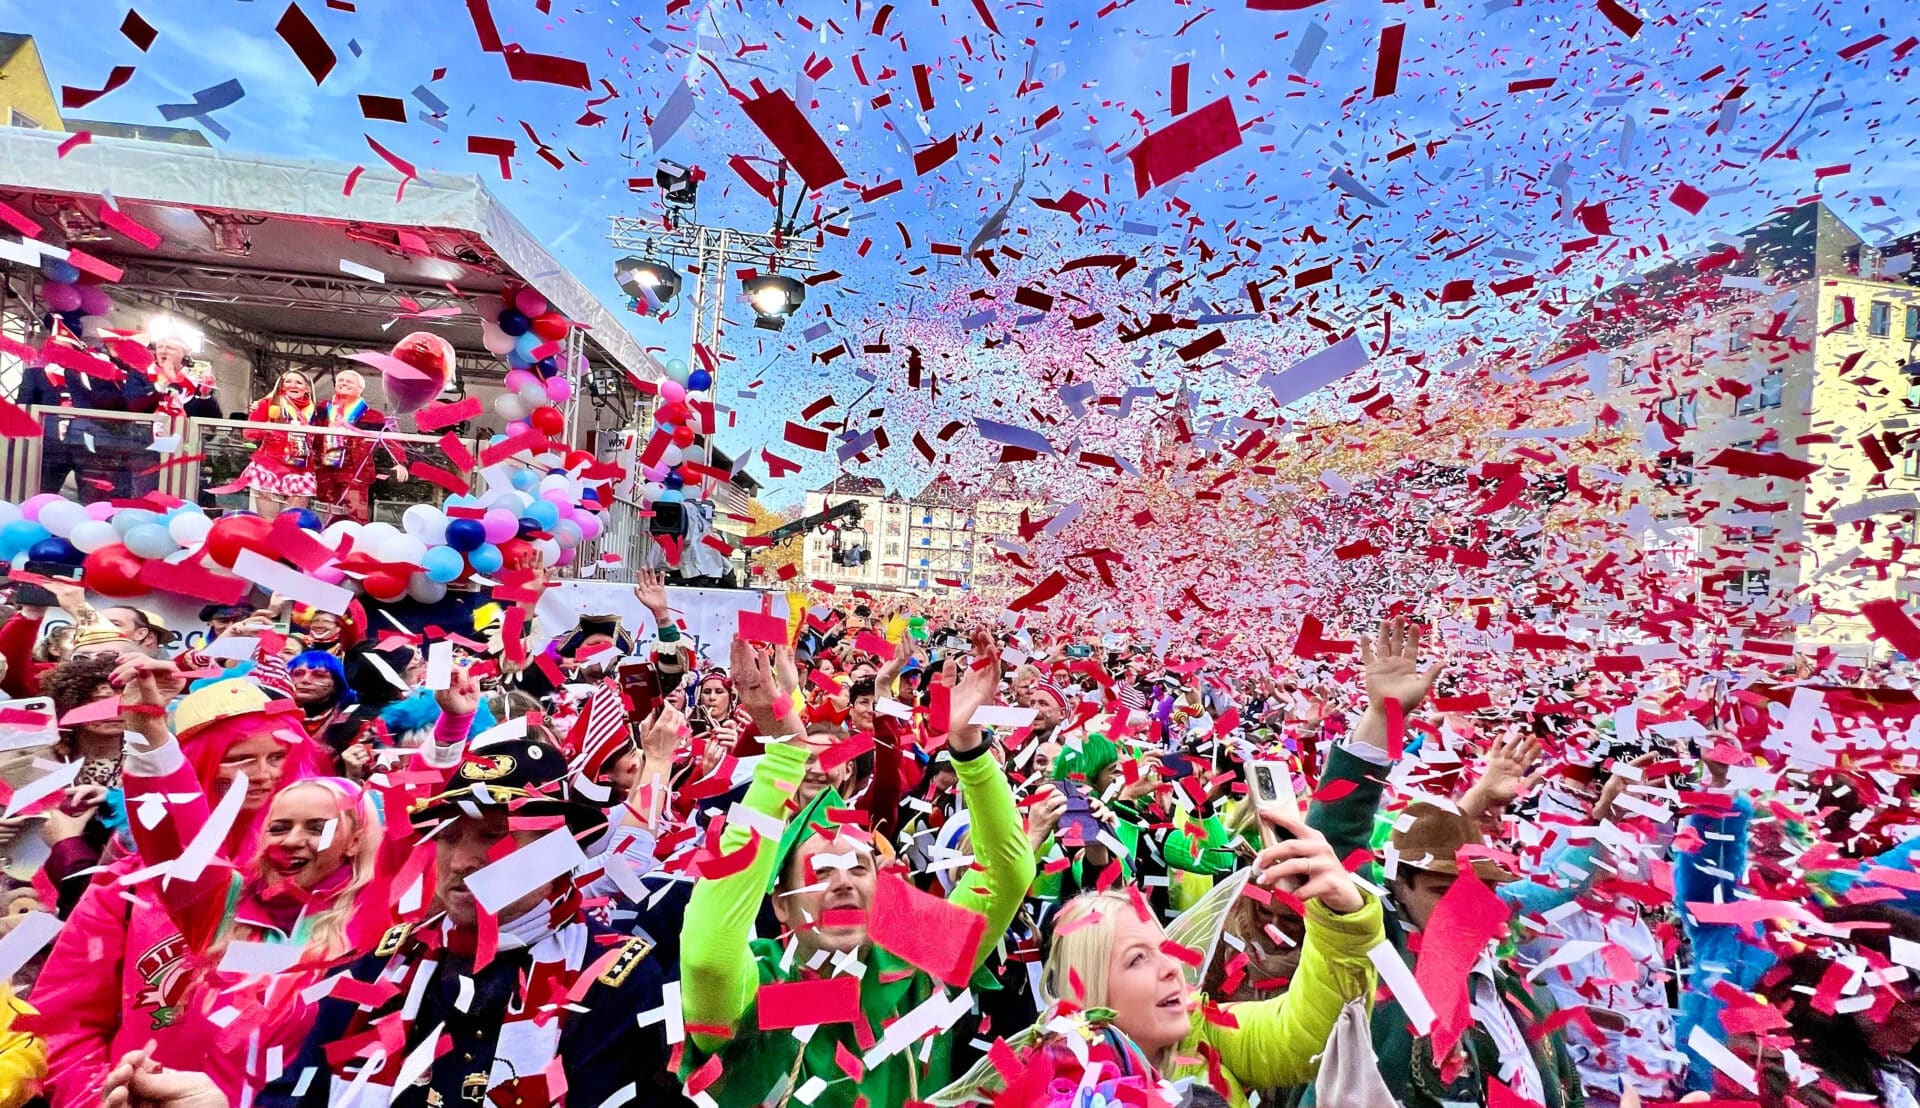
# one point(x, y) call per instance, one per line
point(939, 540)
point(1800, 340)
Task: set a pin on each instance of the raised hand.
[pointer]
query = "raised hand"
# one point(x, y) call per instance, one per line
point(461, 697)
point(650, 589)
point(1504, 775)
point(1390, 666)
point(753, 683)
point(978, 685)
point(1307, 864)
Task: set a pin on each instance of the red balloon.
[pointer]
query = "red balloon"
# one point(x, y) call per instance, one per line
point(553, 326)
point(580, 458)
point(683, 436)
point(671, 413)
point(548, 421)
point(386, 586)
point(114, 571)
point(233, 533)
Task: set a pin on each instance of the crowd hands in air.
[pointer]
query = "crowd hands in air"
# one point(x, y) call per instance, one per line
point(888, 861)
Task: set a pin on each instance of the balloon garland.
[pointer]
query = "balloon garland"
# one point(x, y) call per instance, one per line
point(67, 295)
point(682, 417)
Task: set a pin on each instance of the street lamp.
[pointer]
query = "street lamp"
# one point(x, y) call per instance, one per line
point(652, 283)
point(773, 296)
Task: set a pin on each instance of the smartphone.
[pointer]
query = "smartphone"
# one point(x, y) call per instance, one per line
point(1271, 784)
point(642, 685)
point(1078, 825)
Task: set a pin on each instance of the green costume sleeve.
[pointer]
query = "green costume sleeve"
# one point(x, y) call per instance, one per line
point(1347, 821)
point(1278, 1040)
point(1000, 846)
point(716, 962)
point(1200, 846)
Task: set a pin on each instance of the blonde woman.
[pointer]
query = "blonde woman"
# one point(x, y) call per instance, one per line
point(281, 472)
point(1109, 952)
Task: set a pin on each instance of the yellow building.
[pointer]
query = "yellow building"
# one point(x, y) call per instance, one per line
point(26, 96)
point(940, 540)
point(1794, 340)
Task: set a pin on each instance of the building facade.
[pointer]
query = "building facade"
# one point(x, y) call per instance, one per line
point(939, 540)
point(1802, 342)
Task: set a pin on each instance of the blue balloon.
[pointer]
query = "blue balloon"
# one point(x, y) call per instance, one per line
point(60, 270)
point(485, 558)
point(20, 534)
point(444, 563)
point(545, 512)
point(466, 534)
point(670, 496)
point(529, 527)
point(55, 550)
point(699, 381)
point(517, 360)
point(304, 518)
point(126, 519)
point(547, 367)
point(526, 344)
point(673, 480)
point(525, 480)
point(514, 322)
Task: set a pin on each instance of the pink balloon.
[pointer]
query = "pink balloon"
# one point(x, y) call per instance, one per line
point(30, 507)
point(430, 358)
point(589, 525)
point(331, 575)
point(518, 379)
point(501, 524)
point(655, 472)
point(567, 553)
point(673, 392)
point(94, 300)
point(558, 390)
point(531, 303)
point(517, 427)
point(60, 297)
point(101, 510)
point(558, 497)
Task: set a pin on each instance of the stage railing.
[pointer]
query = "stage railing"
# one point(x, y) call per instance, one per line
point(91, 455)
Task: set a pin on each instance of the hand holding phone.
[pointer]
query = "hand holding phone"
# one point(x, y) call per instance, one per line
point(641, 682)
point(1270, 783)
point(1078, 825)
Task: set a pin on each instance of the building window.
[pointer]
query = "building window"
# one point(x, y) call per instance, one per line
point(1880, 319)
point(1741, 337)
point(1676, 469)
point(22, 119)
point(1683, 410)
point(1748, 586)
point(1913, 323)
point(1770, 393)
point(1843, 312)
point(1910, 463)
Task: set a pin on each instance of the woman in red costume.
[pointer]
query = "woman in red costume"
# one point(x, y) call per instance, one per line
point(280, 474)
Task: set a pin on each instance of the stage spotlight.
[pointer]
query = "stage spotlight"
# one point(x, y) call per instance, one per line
point(653, 284)
point(773, 296)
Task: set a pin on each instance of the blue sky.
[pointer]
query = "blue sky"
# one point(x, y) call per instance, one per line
point(1488, 192)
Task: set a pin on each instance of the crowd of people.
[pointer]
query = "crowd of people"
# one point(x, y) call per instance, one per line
point(876, 858)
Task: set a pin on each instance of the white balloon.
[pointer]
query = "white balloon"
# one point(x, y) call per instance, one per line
point(672, 456)
point(549, 552)
point(556, 482)
point(567, 533)
point(402, 548)
point(9, 511)
point(509, 407)
point(534, 395)
point(340, 529)
point(697, 454)
point(651, 491)
point(62, 516)
point(426, 523)
point(374, 537)
point(425, 589)
point(96, 533)
point(188, 528)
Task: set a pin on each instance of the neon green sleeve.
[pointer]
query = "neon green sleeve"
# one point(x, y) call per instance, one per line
point(1278, 1039)
point(716, 962)
point(1000, 846)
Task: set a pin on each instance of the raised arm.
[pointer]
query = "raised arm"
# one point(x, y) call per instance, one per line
point(1391, 673)
point(717, 965)
point(1000, 843)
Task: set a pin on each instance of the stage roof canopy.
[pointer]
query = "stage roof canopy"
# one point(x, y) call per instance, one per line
point(275, 253)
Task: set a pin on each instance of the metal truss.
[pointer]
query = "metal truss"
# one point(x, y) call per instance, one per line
point(179, 281)
point(697, 242)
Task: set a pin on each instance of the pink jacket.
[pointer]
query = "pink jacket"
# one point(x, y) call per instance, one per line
point(122, 971)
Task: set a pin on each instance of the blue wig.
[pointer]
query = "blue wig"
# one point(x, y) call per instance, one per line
point(320, 659)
